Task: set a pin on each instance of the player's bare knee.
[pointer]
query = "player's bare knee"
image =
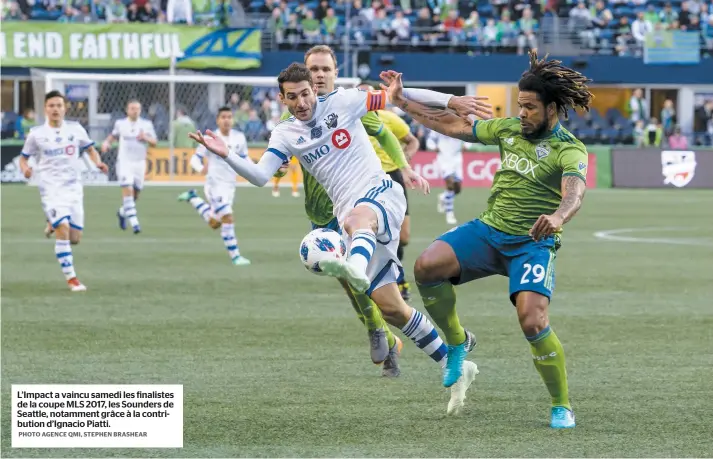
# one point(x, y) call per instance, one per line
point(62, 231)
point(532, 312)
point(361, 217)
point(227, 219)
point(436, 264)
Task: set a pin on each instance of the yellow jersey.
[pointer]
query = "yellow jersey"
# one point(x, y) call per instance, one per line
point(399, 128)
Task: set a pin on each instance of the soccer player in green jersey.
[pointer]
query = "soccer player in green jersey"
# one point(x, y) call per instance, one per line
point(538, 189)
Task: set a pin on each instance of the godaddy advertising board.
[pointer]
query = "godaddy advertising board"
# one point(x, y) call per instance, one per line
point(117, 46)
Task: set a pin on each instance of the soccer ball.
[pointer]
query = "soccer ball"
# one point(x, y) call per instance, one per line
point(321, 244)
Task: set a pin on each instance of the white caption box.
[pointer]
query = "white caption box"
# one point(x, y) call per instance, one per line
point(97, 416)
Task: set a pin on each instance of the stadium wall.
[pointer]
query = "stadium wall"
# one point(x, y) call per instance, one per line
point(468, 69)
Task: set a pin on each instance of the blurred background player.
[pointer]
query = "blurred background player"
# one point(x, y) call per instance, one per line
point(220, 184)
point(539, 188)
point(134, 134)
point(385, 346)
point(410, 144)
point(293, 168)
point(56, 147)
point(450, 163)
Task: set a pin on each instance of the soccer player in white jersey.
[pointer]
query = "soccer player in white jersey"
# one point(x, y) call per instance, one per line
point(325, 134)
point(56, 147)
point(134, 134)
point(220, 184)
point(450, 162)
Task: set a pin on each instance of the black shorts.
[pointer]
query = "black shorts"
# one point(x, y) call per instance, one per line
point(398, 177)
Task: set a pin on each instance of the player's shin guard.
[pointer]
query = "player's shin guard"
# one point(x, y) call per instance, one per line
point(448, 199)
point(548, 356)
point(362, 248)
point(130, 211)
point(201, 207)
point(423, 333)
point(440, 302)
point(63, 251)
point(227, 231)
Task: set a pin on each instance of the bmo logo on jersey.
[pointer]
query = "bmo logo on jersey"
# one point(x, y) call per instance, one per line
point(341, 139)
point(318, 152)
point(69, 150)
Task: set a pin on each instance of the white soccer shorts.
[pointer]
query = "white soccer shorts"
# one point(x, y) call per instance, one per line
point(220, 197)
point(451, 166)
point(131, 173)
point(387, 199)
point(62, 205)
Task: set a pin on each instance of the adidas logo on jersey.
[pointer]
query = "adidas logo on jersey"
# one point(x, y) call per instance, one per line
point(301, 140)
point(510, 141)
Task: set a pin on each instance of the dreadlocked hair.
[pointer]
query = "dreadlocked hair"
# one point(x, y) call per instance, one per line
point(553, 82)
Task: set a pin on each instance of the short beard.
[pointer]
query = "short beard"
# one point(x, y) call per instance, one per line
point(539, 131)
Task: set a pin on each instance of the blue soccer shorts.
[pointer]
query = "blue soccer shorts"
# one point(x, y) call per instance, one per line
point(483, 251)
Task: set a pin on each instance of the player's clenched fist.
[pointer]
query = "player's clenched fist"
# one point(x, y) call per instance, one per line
point(545, 226)
point(28, 173)
point(211, 141)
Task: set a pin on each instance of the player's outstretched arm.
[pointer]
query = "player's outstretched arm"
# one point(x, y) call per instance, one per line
point(438, 119)
point(573, 189)
point(257, 174)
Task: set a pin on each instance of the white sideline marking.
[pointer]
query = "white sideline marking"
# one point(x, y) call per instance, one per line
point(614, 235)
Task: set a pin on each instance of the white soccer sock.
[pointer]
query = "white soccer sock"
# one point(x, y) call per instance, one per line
point(227, 231)
point(424, 334)
point(362, 248)
point(201, 207)
point(121, 211)
point(63, 252)
point(448, 198)
point(130, 210)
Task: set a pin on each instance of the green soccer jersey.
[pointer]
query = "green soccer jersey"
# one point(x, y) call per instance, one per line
point(528, 184)
point(318, 206)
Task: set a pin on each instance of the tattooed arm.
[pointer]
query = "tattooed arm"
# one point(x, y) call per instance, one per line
point(440, 120)
point(573, 187)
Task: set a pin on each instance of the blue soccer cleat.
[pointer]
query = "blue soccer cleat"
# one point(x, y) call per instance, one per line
point(137, 229)
point(455, 358)
point(562, 418)
point(122, 220)
point(187, 195)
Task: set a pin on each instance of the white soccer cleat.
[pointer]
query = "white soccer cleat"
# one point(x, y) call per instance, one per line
point(458, 390)
point(75, 285)
point(344, 270)
point(451, 218)
point(275, 193)
point(440, 208)
point(295, 194)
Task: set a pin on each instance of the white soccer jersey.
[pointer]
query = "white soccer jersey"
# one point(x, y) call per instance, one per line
point(127, 131)
point(446, 146)
point(57, 152)
point(333, 146)
point(220, 172)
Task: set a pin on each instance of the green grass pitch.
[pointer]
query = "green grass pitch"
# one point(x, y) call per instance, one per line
point(274, 363)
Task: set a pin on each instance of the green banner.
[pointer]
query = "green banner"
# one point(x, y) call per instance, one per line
point(129, 46)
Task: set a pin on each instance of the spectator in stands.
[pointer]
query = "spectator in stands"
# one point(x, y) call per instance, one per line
point(639, 133)
point(695, 25)
point(233, 102)
point(321, 11)
point(695, 7)
point(276, 25)
point(653, 134)
point(311, 28)
point(51, 5)
point(527, 25)
point(254, 129)
point(684, 17)
point(401, 26)
point(182, 125)
point(640, 28)
point(491, 35)
point(507, 30)
point(677, 141)
point(24, 123)
point(116, 12)
point(83, 16)
point(473, 28)
point(453, 26)
point(580, 24)
point(68, 14)
point(13, 13)
point(241, 116)
point(330, 24)
point(423, 26)
point(179, 12)
point(668, 15)
point(381, 28)
point(668, 117)
point(293, 30)
point(638, 106)
point(272, 122)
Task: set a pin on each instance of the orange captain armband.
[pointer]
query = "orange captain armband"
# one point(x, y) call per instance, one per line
point(375, 100)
